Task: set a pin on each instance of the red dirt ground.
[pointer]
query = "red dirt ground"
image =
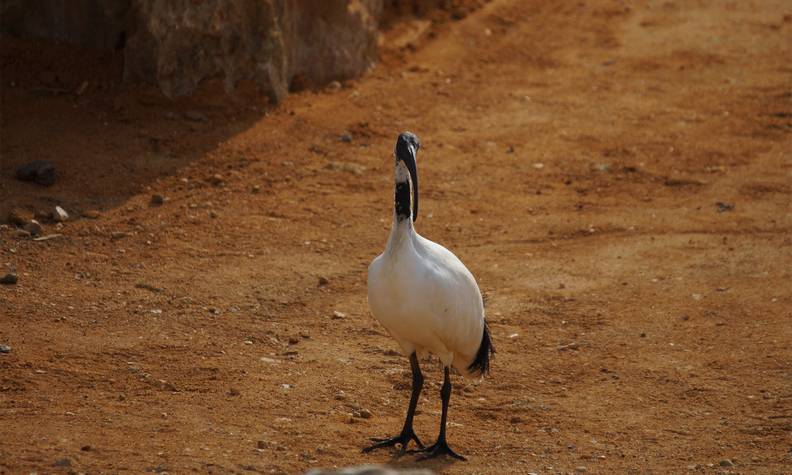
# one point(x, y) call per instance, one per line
point(574, 153)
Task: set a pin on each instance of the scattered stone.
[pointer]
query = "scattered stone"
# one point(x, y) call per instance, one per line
point(363, 414)
point(157, 199)
point(323, 281)
point(116, 235)
point(19, 216)
point(338, 315)
point(60, 215)
point(256, 188)
point(726, 463)
point(5, 349)
point(581, 469)
point(33, 227)
point(64, 462)
point(21, 234)
point(570, 346)
point(216, 179)
point(334, 86)
point(47, 237)
point(346, 138)
point(196, 116)
point(261, 444)
point(91, 214)
point(38, 171)
point(264, 359)
point(152, 288)
point(293, 340)
point(340, 396)
point(724, 207)
point(643, 334)
point(538, 166)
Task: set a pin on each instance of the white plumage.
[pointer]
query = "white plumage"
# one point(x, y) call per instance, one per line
point(426, 298)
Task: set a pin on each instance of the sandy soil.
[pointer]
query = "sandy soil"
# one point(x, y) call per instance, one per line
point(574, 153)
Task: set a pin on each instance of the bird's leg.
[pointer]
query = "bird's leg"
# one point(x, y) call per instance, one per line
point(407, 432)
point(441, 446)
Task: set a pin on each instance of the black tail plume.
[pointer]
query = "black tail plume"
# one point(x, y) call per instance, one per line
point(481, 364)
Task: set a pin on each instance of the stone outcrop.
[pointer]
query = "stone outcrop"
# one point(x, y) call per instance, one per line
point(177, 44)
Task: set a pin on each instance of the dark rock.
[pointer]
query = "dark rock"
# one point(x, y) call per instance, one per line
point(91, 214)
point(33, 227)
point(724, 207)
point(39, 171)
point(9, 279)
point(346, 138)
point(19, 216)
point(64, 462)
point(5, 349)
point(323, 281)
point(157, 199)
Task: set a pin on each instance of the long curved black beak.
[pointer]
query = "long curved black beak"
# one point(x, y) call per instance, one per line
point(412, 167)
point(406, 150)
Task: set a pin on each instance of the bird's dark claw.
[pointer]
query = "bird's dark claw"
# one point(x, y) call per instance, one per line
point(439, 448)
point(402, 439)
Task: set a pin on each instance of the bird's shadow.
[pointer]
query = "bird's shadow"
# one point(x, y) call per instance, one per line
point(410, 461)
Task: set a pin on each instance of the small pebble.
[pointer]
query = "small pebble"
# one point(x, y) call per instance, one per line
point(724, 207)
point(363, 414)
point(157, 199)
point(338, 315)
point(340, 395)
point(346, 138)
point(60, 215)
point(256, 188)
point(726, 463)
point(34, 227)
point(9, 279)
point(196, 116)
point(580, 469)
point(323, 281)
point(216, 179)
point(91, 214)
point(5, 349)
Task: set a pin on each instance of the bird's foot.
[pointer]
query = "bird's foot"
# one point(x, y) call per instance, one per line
point(437, 449)
point(402, 439)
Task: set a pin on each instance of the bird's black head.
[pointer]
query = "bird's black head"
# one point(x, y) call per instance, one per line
point(403, 143)
point(407, 146)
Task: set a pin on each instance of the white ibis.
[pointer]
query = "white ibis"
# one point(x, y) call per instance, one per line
point(428, 301)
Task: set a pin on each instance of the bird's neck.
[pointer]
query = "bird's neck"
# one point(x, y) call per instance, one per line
point(402, 227)
point(402, 209)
